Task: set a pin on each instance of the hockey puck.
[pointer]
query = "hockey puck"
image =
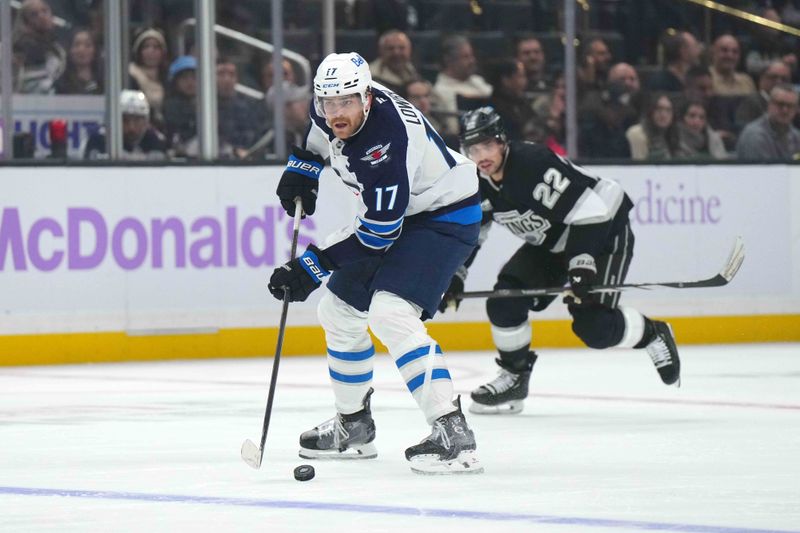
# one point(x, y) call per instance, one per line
point(304, 473)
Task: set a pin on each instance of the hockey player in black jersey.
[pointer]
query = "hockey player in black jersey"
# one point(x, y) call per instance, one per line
point(576, 231)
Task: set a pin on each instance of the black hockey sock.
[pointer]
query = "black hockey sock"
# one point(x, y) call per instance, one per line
point(516, 361)
point(648, 335)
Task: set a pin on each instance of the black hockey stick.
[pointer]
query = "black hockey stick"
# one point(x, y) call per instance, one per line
point(251, 453)
point(722, 278)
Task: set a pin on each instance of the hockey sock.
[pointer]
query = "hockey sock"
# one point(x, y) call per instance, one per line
point(396, 322)
point(638, 329)
point(512, 340)
point(350, 352)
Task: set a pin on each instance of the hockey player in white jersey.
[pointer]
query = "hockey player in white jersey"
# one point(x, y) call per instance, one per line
point(418, 221)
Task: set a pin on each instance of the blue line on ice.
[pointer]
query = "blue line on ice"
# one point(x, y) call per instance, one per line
point(382, 509)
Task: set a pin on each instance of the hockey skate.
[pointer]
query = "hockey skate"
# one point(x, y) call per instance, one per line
point(449, 449)
point(664, 353)
point(505, 394)
point(342, 437)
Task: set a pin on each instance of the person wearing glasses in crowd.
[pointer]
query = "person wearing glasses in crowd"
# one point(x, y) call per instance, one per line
point(773, 136)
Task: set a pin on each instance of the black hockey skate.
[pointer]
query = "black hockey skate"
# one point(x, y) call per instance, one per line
point(505, 394)
point(664, 353)
point(342, 437)
point(449, 449)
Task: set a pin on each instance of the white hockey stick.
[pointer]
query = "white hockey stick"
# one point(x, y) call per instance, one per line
point(724, 276)
point(252, 454)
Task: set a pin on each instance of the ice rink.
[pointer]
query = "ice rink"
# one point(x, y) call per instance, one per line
point(601, 446)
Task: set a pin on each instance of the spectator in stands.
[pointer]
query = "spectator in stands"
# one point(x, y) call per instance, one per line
point(180, 106)
point(40, 59)
point(725, 55)
point(83, 73)
point(267, 74)
point(240, 118)
point(508, 81)
point(697, 140)
point(755, 105)
point(148, 69)
point(772, 136)
point(595, 62)
point(768, 46)
point(655, 137)
point(394, 68)
point(681, 52)
point(140, 141)
point(419, 93)
point(297, 100)
point(551, 112)
point(530, 52)
point(698, 85)
point(605, 116)
point(457, 78)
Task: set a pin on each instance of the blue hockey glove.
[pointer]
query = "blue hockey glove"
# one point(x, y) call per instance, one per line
point(300, 276)
point(581, 274)
point(301, 178)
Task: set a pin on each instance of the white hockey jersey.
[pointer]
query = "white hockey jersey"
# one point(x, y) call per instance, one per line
point(399, 167)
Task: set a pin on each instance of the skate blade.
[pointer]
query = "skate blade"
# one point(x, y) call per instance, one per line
point(364, 451)
point(430, 465)
point(514, 407)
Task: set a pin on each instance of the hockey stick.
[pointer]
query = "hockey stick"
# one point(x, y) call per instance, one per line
point(251, 453)
point(722, 278)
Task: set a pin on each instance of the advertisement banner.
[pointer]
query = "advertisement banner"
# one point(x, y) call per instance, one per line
point(152, 250)
point(83, 115)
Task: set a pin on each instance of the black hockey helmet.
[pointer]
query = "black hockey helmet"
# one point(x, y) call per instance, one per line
point(479, 125)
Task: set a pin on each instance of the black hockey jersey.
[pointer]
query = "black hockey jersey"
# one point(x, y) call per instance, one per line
point(548, 201)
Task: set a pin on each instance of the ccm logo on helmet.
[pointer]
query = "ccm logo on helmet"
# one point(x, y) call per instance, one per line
point(313, 268)
point(302, 165)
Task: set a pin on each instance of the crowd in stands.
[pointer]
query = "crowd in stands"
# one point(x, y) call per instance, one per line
point(647, 90)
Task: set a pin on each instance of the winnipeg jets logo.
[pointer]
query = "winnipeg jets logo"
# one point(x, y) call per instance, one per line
point(377, 154)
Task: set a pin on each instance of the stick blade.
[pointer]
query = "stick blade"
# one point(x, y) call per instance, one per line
point(251, 454)
point(734, 261)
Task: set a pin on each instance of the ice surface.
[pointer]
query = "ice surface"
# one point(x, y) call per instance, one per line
point(602, 445)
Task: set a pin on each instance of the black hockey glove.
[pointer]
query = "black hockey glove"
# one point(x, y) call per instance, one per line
point(301, 178)
point(300, 276)
point(449, 299)
point(581, 273)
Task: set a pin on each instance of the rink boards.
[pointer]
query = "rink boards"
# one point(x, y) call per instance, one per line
point(128, 263)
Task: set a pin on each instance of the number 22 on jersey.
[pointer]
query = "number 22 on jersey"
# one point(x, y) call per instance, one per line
point(550, 190)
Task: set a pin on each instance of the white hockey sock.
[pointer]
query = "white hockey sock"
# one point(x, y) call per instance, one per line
point(351, 377)
point(634, 327)
point(512, 338)
point(396, 322)
point(351, 355)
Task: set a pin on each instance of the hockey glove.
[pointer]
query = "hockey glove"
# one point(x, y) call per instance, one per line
point(301, 178)
point(456, 288)
point(581, 273)
point(300, 276)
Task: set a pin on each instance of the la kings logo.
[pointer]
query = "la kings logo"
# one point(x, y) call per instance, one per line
point(527, 225)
